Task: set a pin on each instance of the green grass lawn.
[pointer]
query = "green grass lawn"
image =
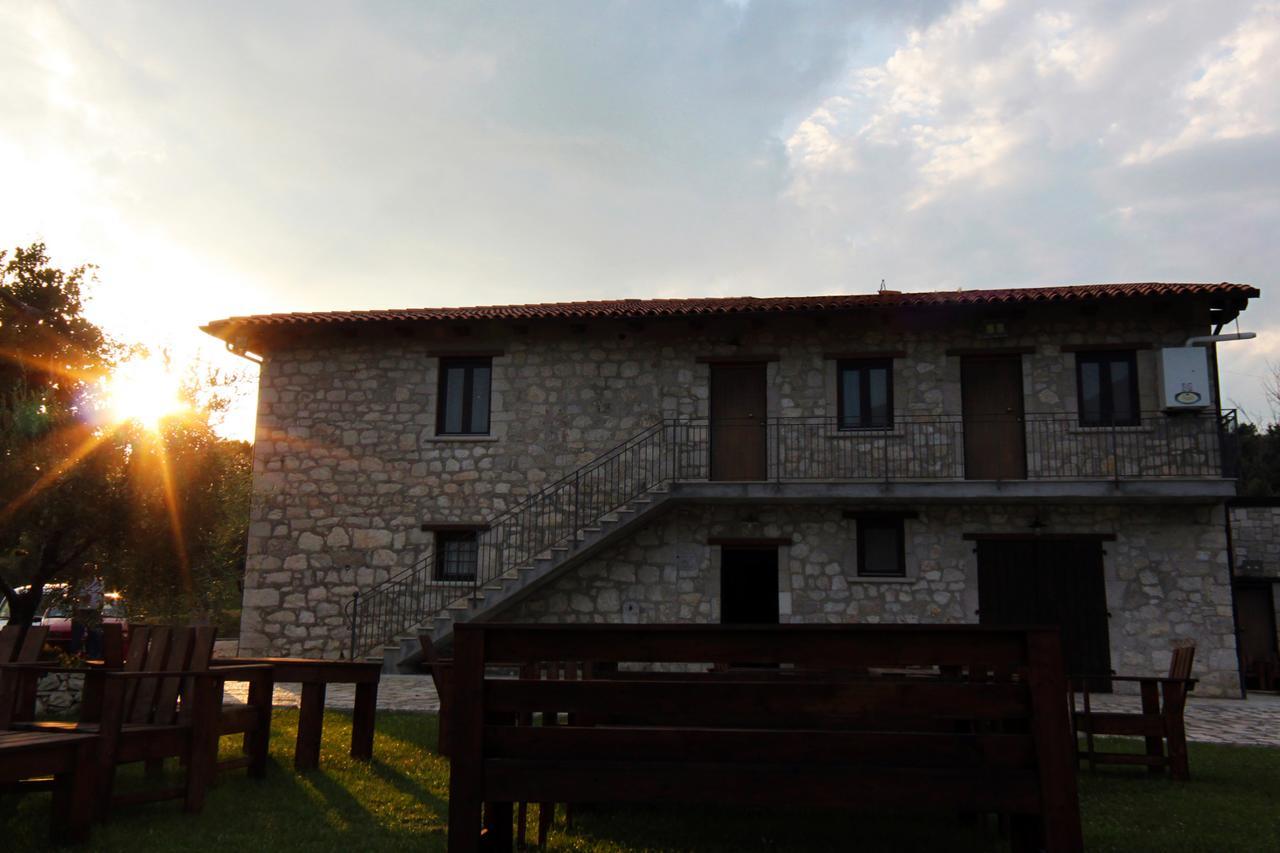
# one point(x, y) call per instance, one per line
point(399, 802)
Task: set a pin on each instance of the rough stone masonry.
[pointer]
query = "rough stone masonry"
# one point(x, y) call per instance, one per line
point(348, 469)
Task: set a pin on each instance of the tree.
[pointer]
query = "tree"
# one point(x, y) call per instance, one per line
point(160, 515)
point(188, 507)
point(59, 472)
point(1259, 460)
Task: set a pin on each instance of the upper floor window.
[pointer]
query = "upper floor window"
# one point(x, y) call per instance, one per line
point(1108, 388)
point(463, 404)
point(881, 547)
point(864, 391)
point(457, 553)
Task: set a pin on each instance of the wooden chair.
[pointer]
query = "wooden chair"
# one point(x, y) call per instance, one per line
point(164, 702)
point(1160, 721)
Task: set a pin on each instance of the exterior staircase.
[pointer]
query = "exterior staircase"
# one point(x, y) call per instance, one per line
point(510, 587)
point(545, 534)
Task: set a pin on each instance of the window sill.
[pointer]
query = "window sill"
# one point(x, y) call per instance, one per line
point(464, 438)
point(881, 579)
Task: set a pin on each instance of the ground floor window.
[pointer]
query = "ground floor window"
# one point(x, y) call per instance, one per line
point(457, 553)
point(881, 547)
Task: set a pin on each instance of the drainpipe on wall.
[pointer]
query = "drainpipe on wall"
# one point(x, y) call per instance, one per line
point(1212, 341)
point(1235, 612)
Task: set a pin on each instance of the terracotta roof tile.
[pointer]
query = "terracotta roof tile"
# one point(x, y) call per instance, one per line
point(656, 308)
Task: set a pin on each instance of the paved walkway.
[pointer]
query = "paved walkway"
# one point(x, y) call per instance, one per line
point(1255, 722)
point(395, 693)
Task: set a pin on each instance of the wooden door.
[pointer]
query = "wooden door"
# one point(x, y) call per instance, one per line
point(1048, 581)
point(749, 586)
point(738, 422)
point(1256, 613)
point(991, 399)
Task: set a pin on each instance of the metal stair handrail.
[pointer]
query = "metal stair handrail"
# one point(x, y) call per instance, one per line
point(514, 538)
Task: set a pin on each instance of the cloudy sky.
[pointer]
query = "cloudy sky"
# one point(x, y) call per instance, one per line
point(246, 157)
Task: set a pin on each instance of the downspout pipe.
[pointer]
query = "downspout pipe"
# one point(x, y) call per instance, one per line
point(1212, 341)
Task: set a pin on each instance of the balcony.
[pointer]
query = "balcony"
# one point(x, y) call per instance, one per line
point(1184, 454)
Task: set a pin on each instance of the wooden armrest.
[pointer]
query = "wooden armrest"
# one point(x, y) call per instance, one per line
point(159, 673)
point(1159, 679)
point(241, 672)
point(37, 666)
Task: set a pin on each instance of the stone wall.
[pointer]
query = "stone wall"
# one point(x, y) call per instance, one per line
point(1255, 538)
point(1166, 574)
point(347, 466)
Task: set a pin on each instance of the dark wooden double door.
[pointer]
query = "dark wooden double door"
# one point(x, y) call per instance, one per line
point(1050, 581)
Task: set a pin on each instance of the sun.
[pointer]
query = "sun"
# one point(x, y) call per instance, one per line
point(145, 391)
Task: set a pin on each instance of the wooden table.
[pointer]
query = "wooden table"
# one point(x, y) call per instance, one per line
point(70, 759)
point(315, 675)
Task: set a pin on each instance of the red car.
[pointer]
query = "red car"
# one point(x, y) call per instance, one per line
point(58, 617)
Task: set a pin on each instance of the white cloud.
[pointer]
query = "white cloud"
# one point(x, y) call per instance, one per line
point(1016, 144)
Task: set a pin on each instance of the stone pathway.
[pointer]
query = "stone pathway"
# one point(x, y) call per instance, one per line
point(1255, 722)
point(395, 693)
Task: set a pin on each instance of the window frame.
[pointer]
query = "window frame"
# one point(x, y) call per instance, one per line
point(897, 524)
point(442, 538)
point(1106, 404)
point(470, 364)
point(864, 366)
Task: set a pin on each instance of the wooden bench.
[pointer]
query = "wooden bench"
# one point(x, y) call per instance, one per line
point(1160, 721)
point(993, 737)
point(69, 759)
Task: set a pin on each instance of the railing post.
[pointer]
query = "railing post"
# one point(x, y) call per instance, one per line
point(777, 448)
point(577, 504)
point(884, 454)
point(1115, 455)
point(355, 617)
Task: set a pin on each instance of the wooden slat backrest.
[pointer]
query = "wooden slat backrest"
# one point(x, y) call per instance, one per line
point(1180, 661)
point(166, 698)
point(163, 649)
point(139, 642)
point(763, 704)
point(152, 660)
point(991, 720)
point(8, 642)
point(32, 644)
point(201, 656)
point(807, 646)
point(26, 651)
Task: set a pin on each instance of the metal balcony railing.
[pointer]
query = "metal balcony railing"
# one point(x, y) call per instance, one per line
point(920, 448)
point(1034, 446)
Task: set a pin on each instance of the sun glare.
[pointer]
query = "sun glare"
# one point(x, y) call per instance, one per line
point(144, 391)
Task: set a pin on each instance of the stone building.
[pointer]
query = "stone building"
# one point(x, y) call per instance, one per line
point(966, 456)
